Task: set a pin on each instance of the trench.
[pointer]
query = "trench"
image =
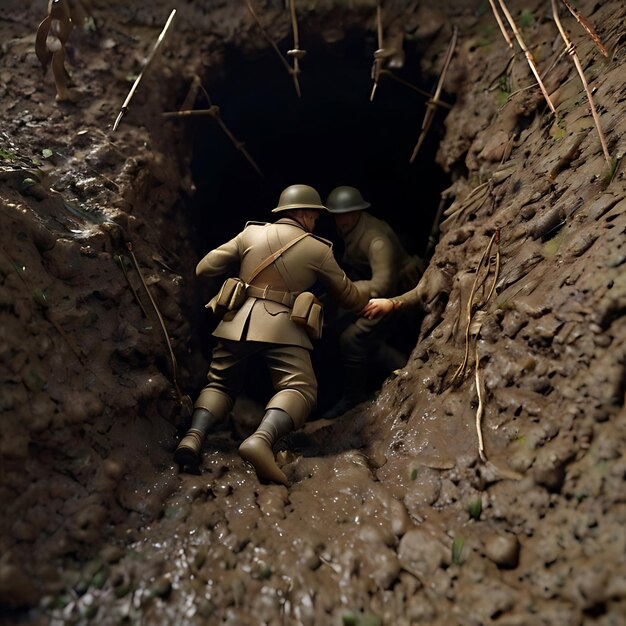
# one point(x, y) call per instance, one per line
point(333, 135)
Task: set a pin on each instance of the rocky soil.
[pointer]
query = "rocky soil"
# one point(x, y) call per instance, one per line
point(392, 517)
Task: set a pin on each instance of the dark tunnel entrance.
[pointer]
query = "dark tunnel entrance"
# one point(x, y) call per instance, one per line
point(334, 135)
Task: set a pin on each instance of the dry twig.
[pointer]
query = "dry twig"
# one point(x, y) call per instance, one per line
point(268, 38)
point(527, 53)
point(480, 408)
point(588, 27)
point(182, 399)
point(376, 70)
point(122, 263)
point(214, 112)
point(470, 301)
point(149, 62)
point(295, 53)
point(406, 83)
point(571, 49)
point(431, 105)
point(500, 23)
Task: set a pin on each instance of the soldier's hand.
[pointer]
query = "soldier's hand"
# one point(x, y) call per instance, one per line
point(377, 307)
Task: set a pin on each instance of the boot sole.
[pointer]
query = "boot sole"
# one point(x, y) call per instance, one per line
point(187, 459)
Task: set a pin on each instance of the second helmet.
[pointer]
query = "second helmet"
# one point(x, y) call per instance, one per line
point(299, 197)
point(345, 199)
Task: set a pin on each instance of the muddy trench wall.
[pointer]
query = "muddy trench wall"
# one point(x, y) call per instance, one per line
point(89, 413)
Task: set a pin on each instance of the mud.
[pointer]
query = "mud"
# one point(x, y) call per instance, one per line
point(392, 516)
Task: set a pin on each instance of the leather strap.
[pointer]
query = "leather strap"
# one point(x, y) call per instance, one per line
point(272, 257)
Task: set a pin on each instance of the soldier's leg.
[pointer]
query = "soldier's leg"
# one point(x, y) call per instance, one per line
point(214, 402)
point(296, 393)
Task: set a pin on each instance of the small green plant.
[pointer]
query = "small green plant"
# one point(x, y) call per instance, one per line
point(457, 549)
point(475, 508)
point(7, 155)
point(349, 618)
point(526, 19)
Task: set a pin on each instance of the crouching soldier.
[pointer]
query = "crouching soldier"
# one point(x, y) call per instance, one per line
point(269, 312)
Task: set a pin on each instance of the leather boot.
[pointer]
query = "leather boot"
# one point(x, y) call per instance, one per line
point(258, 448)
point(187, 453)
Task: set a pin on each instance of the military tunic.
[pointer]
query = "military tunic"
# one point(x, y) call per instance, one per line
point(373, 253)
point(262, 324)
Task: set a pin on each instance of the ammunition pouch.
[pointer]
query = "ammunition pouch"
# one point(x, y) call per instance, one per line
point(229, 298)
point(308, 311)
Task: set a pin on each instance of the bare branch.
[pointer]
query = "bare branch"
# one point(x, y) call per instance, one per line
point(268, 38)
point(295, 53)
point(571, 49)
point(500, 23)
point(528, 53)
point(214, 112)
point(588, 27)
point(431, 106)
point(378, 61)
point(149, 62)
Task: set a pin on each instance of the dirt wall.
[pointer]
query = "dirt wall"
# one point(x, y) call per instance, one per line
point(392, 514)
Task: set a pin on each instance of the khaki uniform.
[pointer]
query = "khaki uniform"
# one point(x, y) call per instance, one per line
point(374, 253)
point(262, 324)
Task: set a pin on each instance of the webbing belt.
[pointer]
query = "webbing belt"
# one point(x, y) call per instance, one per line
point(263, 293)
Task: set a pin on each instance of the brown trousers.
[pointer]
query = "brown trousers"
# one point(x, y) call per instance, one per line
point(290, 369)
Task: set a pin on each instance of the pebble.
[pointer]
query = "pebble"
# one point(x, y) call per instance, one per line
point(503, 550)
point(419, 554)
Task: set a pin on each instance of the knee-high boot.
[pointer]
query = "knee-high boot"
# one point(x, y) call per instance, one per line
point(188, 451)
point(258, 448)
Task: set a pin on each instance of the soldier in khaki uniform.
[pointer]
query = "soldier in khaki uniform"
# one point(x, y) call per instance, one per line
point(263, 325)
point(374, 255)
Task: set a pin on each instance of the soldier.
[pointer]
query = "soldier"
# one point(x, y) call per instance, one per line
point(373, 254)
point(278, 263)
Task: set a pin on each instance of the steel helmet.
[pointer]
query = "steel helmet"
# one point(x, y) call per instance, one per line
point(346, 199)
point(299, 197)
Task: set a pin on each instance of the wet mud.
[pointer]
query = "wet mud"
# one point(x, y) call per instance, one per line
point(395, 514)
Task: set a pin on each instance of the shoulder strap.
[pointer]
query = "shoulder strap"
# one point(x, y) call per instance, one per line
point(270, 259)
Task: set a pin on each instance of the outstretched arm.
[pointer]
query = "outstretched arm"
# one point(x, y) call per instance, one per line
point(379, 307)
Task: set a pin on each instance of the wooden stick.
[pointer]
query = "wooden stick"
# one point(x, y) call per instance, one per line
point(571, 49)
point(214, 112)
point(377, 60)
point(527, 53)
point(422, 92)
point(500, 23)
point(268, 38)
point(149, 62)
point(295, 52)
point(431, 106)
point(588, 27)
